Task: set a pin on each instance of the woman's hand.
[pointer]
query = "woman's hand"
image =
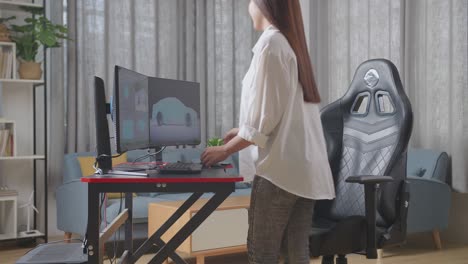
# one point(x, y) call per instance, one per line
point(230, 135)
point(213, 155)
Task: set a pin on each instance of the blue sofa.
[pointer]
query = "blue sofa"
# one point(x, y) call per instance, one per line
point(72, 197)
point(430, 195)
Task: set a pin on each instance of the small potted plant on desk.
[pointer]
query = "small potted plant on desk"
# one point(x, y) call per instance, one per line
point(214, 142)
point(36, 31)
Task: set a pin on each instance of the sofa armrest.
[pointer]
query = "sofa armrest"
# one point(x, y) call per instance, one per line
point(72, 207)
point(429, 205)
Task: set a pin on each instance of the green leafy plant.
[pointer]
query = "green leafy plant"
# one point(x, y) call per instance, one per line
point(213, 142)
point(37, 31)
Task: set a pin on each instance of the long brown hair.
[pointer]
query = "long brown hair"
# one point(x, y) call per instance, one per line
point(286, 16)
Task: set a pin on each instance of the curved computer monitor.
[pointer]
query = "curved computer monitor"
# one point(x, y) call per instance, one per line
point(153, 112)
point(130, 110)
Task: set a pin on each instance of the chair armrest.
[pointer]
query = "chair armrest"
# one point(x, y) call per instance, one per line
point(369, 179)
point(72, 207)
point(370, 189)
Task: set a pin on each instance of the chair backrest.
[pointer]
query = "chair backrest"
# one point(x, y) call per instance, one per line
point(367, 133)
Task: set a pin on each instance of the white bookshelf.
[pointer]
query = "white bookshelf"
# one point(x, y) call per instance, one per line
point(31, 157)
point(11, 4)
point(23, 81)
point(2, 43)
point(24, 112)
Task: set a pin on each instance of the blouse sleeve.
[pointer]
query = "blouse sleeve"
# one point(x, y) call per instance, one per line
point(271, 86)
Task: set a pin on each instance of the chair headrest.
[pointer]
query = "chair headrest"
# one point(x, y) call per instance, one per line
point(379, 80)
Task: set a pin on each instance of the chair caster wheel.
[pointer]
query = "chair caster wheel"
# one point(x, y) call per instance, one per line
point(328, 259)
point(341, 259)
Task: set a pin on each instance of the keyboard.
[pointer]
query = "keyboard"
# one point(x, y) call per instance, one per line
point(135, 167)
point(181, 167)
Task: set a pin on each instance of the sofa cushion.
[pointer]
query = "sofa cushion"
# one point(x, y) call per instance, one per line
point(87, 162)
point(72, 170)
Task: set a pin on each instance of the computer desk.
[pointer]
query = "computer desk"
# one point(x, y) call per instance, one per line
point(209, 181)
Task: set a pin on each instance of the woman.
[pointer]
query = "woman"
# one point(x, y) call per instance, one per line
point(280, 135)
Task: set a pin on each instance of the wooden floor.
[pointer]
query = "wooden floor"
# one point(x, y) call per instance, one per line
point(410, 254)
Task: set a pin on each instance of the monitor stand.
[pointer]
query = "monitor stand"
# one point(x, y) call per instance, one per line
point(156, 157)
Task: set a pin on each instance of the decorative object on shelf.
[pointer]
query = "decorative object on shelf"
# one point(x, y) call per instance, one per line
point(36, 31)
point(29, 205)
point(4, 31)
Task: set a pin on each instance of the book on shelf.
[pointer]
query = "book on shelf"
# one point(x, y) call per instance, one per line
point(6, 143)
point(6, 63)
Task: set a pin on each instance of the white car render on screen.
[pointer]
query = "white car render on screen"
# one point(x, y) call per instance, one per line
point(172, 121)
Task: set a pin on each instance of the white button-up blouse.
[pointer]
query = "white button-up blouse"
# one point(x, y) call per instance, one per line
point(289, 146)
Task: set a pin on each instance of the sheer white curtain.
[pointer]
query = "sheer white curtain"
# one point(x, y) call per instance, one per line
point(437, 77)
point(427, 41)
point(208, 41)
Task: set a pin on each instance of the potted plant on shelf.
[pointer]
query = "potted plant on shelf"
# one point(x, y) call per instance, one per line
point(4, 31)
point(36, 31)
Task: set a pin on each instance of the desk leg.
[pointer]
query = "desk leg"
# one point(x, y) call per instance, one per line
point(94, 256)
point(156, 237)
point(188, 228)
point(200, 259)
point(129, 224)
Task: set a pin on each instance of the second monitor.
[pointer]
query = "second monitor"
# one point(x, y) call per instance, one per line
point(154, 112)
point(174, 112)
